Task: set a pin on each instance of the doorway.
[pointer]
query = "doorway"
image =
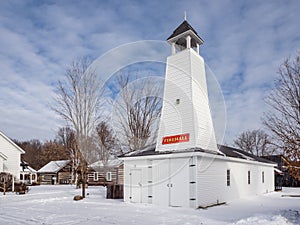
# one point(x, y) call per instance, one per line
point(135, 185)
point(171, 182)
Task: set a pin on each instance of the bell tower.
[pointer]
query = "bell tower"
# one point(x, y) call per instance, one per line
point(186, 120)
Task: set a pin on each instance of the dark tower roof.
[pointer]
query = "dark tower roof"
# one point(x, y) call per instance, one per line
point(181, 30)
point(183, 27)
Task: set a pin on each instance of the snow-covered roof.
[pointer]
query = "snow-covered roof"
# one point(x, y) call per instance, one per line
point(225, 150)
point(237, 153)
point(110, 163)
point(53, 166)
point(278, 171)
point(141, 151)
point(244, 156)
point(27, 169)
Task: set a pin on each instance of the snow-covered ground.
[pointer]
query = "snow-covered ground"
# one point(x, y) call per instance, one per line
point(55, 205)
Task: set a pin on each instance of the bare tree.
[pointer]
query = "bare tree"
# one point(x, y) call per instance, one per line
point(137, 109)
point(52, 151)
point(66, 136)
point(78, 101)
point(257, 142)
point(106, 143)
point(284, 121)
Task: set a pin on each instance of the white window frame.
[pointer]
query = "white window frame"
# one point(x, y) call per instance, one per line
point(96, 176)
point(108, 176)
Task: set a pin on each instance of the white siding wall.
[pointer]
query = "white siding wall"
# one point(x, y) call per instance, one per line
point(12, 164)
point(1, 164)
point(204, 130)
point(212, 186)
point(185, 80)
point(178, 181)
point(177, 118)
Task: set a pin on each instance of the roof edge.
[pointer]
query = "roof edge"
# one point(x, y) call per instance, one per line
point(56, 170)
point(12, 143)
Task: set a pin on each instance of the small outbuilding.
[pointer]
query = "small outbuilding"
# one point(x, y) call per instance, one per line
point(283, 175)
point(28, 175)
point(111, 172)
point(56, 172)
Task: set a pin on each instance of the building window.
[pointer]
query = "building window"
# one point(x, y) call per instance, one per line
point(249, 177)
point(47, 177)
point(95, 176)
point(228, 177)
point(27, 177)
point(108, 176)
point(263, 176)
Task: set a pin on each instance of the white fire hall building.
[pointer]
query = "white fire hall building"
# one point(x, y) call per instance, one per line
point(186, 167)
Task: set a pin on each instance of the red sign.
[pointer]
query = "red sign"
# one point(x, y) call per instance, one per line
point(176, 139)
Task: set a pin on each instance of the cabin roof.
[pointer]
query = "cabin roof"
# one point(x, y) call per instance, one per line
point(53, 166)
point(110, 163)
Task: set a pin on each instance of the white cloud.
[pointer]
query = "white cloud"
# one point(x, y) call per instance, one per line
point(245, 41)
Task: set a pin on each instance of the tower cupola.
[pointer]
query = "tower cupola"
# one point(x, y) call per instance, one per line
point(183, 37)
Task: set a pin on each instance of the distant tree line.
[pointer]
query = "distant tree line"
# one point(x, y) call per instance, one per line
point(37, 153)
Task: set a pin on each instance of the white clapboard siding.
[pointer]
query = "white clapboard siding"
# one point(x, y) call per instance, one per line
point(186, 80)
point(1, 163)
point(212, 179)
point(204, 130)
point(13, 154)
point(193, 179)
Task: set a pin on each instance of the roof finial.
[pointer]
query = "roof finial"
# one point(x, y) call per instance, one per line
point(185, 15)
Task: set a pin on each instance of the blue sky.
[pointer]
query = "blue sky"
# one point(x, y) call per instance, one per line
point(244, 43)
